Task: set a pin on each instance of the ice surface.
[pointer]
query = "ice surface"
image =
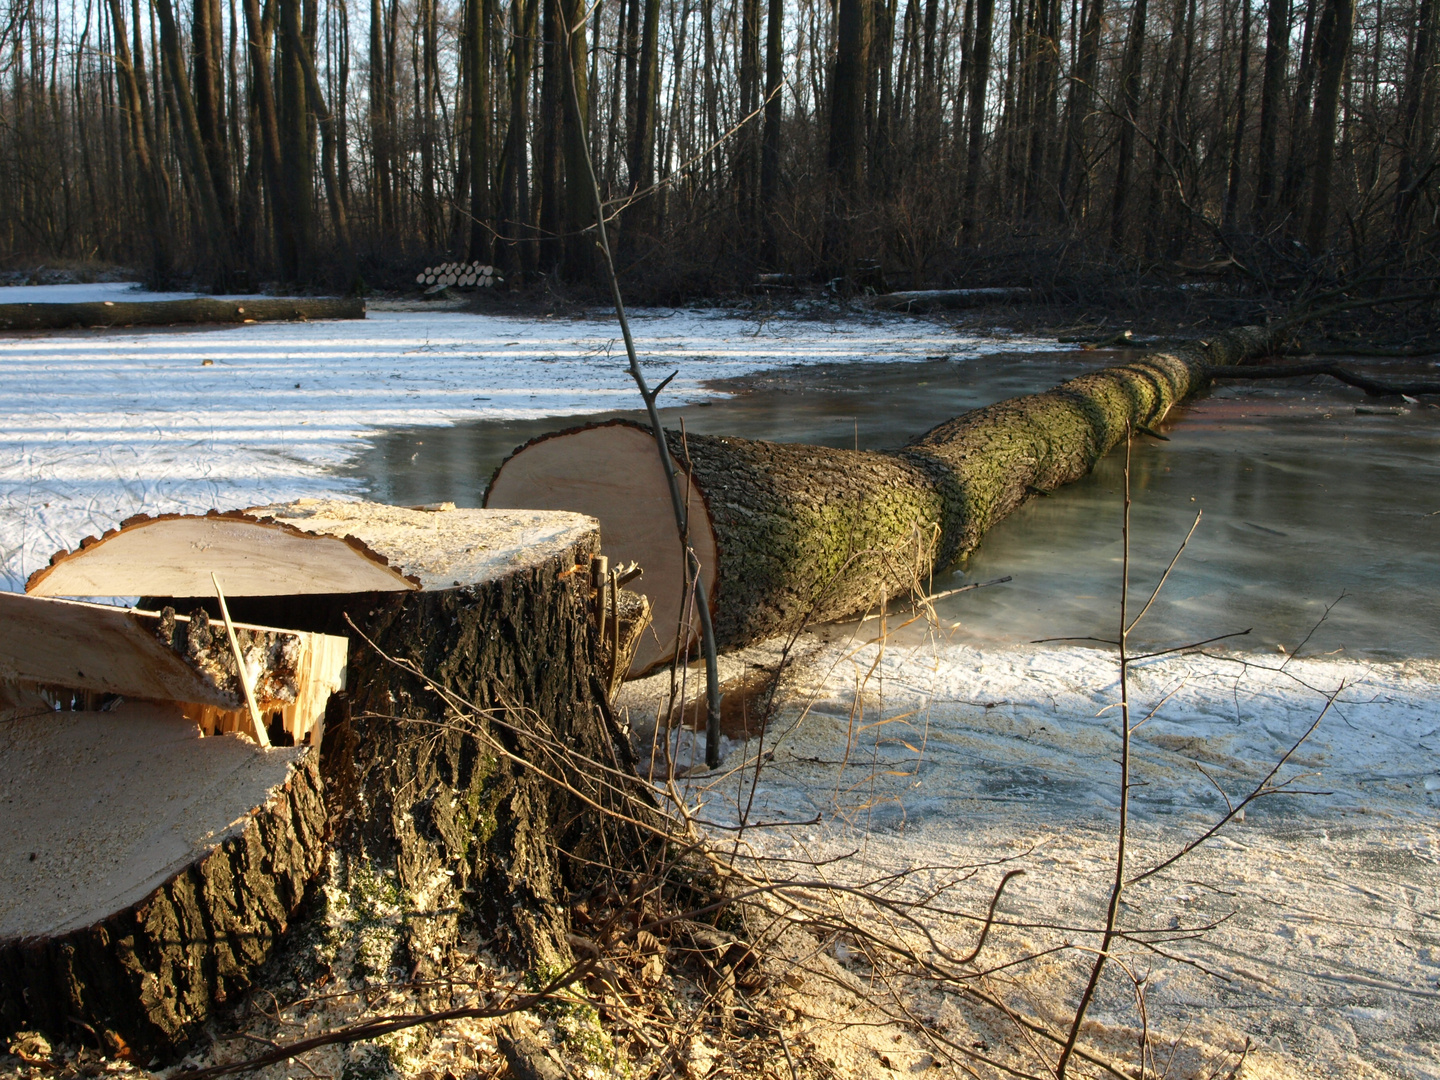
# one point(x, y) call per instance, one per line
point(98, 425)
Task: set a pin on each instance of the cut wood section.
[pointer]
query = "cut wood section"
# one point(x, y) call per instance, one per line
point(174, 555)
point(790, 534)
point(161, 656)
point(145, 872)
point(172, 312)
point(612, 472)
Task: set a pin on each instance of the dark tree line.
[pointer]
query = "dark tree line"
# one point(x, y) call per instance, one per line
point(319, 142)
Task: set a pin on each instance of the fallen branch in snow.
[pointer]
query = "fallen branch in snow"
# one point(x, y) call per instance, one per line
point(202, 309)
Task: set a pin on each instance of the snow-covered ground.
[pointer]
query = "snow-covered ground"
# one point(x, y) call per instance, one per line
point(98, 425)
point(943, 750)
point(902, 760)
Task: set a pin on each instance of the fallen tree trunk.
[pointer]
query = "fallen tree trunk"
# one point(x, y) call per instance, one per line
point(172, 312)
point(921, 300)
point(789, 533)
point(1373, 386)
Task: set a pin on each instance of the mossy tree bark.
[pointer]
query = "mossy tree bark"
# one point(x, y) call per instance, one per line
point(808, 533)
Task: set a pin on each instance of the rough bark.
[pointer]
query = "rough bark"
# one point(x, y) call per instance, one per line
point(146, 977)
point(169, 312)
point(1332, 47)
point(444, 801)
point(807, 533)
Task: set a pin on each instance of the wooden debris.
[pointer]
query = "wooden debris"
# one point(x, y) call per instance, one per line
point(172, 312)
point(162, 656)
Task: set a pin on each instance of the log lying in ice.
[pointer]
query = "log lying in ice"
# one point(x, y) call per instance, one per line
point(145, 872)
point(172, 312)
point(788, 533)
point(921, 300)
point(504, 620)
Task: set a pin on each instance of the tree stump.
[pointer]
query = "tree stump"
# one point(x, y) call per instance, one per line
point(473, 701)
point(460, 763)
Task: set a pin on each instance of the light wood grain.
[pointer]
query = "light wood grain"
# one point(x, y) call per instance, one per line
point(113, 650)
point(622, 485)
point(176, 556)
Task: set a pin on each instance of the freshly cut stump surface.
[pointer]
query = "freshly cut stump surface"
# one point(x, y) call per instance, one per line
point(612, 472)
point(145, 872)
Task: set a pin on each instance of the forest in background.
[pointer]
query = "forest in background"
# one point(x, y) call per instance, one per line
point(1275, 146)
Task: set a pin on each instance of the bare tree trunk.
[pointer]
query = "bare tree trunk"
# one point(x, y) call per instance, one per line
point(205, 45)
point(1332, 48)
point(154, 185)
point(1299, 153)
point(770, 152)
point(1277, 51)
point(218, 232)
point(579, 212)
point(1075, 164)
point(646, 99)
point(518, 252)
point(1413, 136)
point(477, 58)
point(847, 94)
point(379, 122)
point(339, 215)
point(1232, 192)
point(979, 79)
point(297, 162)
point(1130, 109)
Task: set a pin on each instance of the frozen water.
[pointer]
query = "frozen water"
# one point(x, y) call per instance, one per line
point(98, 425)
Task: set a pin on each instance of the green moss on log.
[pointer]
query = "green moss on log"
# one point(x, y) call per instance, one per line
point(808, 533)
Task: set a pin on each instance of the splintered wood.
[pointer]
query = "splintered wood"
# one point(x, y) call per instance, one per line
point(162, 656)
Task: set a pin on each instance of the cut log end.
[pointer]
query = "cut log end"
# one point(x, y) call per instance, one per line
point(620, 482)
point(145, 872)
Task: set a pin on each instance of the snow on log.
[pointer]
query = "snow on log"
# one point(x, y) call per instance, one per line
point(788, 533)
point(145, 872)
point(171, 312)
